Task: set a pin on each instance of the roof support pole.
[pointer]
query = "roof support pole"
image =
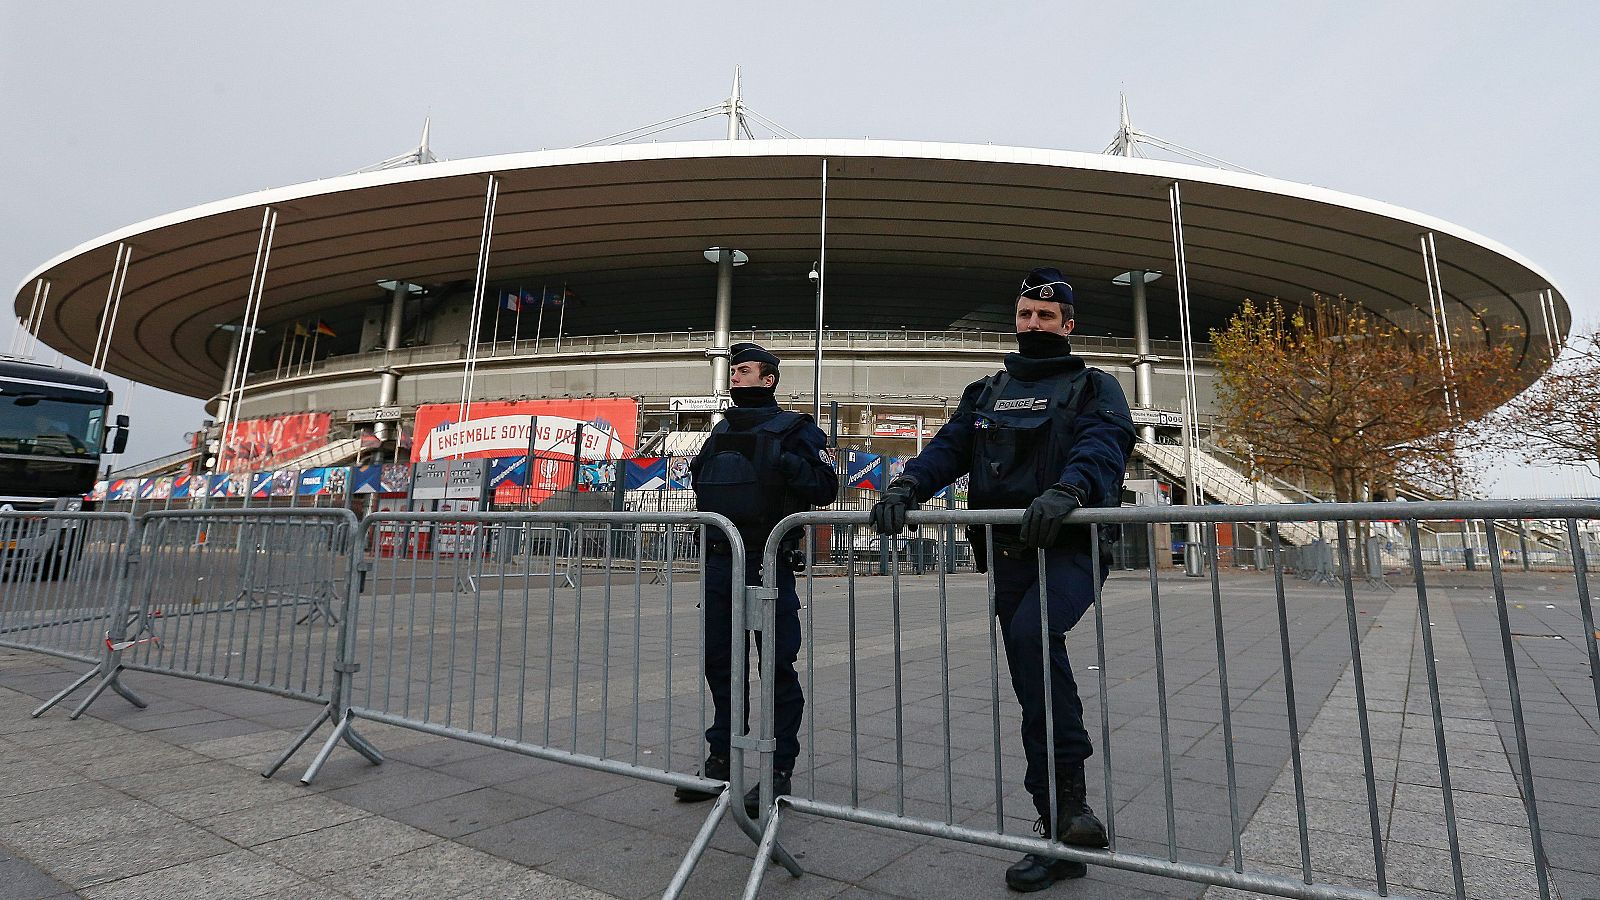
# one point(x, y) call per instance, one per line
point(475, 326)
point(822, 269)
point(1441, 323)
point(29, 327)
point(719, 339)
point(1143, 393)
point(108, 315)
point(44, 303)
point(246, 337)
point(1191, 415)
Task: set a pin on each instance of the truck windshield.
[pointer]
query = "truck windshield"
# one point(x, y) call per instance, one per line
point(31, 425)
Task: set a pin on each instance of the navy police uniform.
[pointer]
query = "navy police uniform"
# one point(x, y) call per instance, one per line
point(758, 465)
point(1048, 434)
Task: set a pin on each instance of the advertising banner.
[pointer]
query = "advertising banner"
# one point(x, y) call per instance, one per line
point(260, 485)
point(147, 489)
point(267, 443)
point(597, 476)
point(501, 429)
point(283, 481)
point(98, 493)
point(396, 477)
point(646, 473)
point(312, 482)
point(508, 470)
point(122, 489)
point(610, 428)
point(678, 474)
point(863, 470)
point(182, 486)
point(336, 481)
point(366, 480)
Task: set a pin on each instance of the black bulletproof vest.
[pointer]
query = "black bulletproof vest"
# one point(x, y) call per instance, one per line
point(739, 475)
point(1022, 432)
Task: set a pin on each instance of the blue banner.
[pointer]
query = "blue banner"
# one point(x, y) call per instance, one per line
point(647, 473)
point(311, 482)
point(863, 470)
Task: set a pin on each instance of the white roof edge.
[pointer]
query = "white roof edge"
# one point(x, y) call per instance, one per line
point(825, 147)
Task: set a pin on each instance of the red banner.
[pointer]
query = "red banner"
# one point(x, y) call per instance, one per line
point(255, 444)
point(500, 429)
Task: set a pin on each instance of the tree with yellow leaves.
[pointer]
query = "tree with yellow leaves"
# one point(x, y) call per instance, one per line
point(1332, 392)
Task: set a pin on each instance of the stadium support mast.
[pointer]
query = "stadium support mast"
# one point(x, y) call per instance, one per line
point(1128, 139)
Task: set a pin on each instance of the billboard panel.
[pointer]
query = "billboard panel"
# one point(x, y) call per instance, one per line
point(254, 444)
point(610, 428)
point(501, 429)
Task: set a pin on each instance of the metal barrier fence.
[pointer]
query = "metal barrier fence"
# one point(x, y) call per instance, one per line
point(941, 769)
point(243, 598)
point(554, 635)
point(62, 577)
point(584, 676)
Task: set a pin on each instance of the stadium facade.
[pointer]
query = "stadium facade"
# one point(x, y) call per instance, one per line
point(621, 272)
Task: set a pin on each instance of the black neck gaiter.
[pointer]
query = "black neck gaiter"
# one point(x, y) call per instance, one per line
point(1042, 344)
point(750, 397)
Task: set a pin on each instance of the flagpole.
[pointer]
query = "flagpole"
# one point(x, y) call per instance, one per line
point(538, 331)
point(282, 346)
point(316, 332)
point(561, 326)
point(494, 339)
point(300, 366)
point(516, 323)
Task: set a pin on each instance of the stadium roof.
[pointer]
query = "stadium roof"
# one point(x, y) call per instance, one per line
point(918, 234)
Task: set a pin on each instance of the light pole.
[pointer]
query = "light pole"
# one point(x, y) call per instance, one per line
point(816, 362)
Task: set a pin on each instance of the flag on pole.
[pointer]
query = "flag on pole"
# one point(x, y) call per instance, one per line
point(300, 330)
point(511, 300)
point(324, 330)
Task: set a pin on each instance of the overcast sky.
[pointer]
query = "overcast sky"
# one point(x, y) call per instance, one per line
point(1480, 113)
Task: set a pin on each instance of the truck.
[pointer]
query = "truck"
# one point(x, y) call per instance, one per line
point(53, 432)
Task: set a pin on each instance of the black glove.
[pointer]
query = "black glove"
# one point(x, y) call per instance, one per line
point(900, 497)
point(1041, 524)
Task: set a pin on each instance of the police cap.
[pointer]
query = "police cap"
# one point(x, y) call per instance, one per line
point(745, 351)
point(1046, 284)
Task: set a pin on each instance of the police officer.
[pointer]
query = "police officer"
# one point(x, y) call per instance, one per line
point(1050, 435)
point(759, 464)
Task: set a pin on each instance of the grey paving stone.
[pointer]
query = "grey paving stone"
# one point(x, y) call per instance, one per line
point(261, 823)
point(341, 847)
point(239, 874)
point(464, 813)
point(22, 881)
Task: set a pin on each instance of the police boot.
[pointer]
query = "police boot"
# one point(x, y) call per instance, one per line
point(1035, 872)
point(1075, 821)
point(716, 768)
point(781, 784)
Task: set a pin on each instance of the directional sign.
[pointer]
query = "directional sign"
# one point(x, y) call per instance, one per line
point(698, 404)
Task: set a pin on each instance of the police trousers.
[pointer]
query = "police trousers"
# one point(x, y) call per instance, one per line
point(1070, 589)
point(790, 698)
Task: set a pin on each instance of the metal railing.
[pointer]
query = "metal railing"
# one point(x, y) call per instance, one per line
point(62, 580)
point(934, 618)
point(518, 665)
point(780, 339)
point(554, 635)
point(243, 598)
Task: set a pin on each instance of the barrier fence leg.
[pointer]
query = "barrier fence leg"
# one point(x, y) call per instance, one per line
point(110, 666)
point(767, 848)
point(325, 715)
point(702, 840)
point(66, 692)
